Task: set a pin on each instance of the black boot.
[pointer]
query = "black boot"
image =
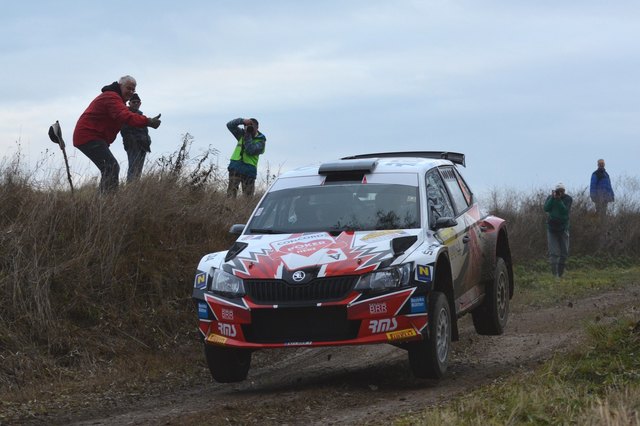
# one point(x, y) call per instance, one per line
point(554, 269)
point(560, 269)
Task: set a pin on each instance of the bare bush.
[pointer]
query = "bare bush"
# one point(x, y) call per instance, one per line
point(86, 276)
point(196, 172)
point(618, 235)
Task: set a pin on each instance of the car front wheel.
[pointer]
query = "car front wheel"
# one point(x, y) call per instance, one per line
point(227, 365)
point(429, 358)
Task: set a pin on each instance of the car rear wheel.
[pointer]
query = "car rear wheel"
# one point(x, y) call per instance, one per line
point(490, 318)
point(429, 358)
point(227, 365)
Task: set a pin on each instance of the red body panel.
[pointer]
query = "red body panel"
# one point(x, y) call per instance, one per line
point(379, 322)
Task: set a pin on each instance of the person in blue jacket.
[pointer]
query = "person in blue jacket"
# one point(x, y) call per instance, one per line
point(136, 142)
point(600, 190)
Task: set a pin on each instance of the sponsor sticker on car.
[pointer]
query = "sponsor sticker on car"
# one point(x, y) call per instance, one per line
point(378, 308)
point(227, 314)
point(200, 281)
point(203, 310)
point(423, 273)
point(401, 334)
point(214, 338)
point(418, 305)
point(382, 235)
point(382, 325)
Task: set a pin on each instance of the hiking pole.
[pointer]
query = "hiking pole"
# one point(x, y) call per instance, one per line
point(55, 134)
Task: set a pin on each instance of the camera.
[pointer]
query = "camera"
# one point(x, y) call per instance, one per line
point(249, 129)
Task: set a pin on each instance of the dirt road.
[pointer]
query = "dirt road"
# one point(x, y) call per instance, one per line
point(354, 385)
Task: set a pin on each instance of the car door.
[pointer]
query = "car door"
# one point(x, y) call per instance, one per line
point(439, 205)
point(468, 243)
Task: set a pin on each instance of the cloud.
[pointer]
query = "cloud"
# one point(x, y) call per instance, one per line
point(531, 75)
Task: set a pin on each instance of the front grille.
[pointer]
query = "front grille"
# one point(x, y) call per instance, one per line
point(315, 324)
point(272, 292)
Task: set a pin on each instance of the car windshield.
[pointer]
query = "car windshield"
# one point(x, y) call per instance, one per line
point(338, 207)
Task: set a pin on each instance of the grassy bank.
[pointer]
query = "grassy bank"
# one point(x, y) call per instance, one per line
point(596, 384)
point(88, 280)
point(585, 275)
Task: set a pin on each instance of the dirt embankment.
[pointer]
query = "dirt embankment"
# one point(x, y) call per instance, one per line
point(354, 385)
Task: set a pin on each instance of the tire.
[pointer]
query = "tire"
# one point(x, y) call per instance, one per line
point(491, 317)
point(429, 358)
point(227, 365)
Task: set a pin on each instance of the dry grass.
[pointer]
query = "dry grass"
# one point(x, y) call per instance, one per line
point(596, 384)
point(617, 236)
point(85, 279)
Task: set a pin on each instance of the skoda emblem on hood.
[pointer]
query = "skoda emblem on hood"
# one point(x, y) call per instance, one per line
point(298, 276)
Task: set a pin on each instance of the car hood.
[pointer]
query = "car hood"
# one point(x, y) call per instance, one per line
point(349, 253)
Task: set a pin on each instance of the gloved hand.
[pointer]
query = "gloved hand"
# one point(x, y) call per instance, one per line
point(154, 122)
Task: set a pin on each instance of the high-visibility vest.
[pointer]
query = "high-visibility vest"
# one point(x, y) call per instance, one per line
point(240, 155)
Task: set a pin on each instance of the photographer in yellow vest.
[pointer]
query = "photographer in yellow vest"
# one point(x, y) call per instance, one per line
point(243, 167)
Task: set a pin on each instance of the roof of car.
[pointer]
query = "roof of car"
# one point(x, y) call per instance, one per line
point(393, 162)
point(455, 157)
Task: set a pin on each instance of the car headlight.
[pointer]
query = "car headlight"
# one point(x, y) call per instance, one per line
point(398, 276)
point(224, 282)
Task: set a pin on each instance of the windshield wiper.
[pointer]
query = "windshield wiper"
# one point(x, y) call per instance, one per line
point(266, 231)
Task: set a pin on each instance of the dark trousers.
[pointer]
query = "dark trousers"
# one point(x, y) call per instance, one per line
point(601, 209)
point(558, 245)
point(99, 153)
point(136, 156)
point(235, 179)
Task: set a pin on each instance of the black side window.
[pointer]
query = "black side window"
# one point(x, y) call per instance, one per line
point(451, 181)
point(438, 203)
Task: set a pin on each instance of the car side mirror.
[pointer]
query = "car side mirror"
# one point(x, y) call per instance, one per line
point(444, 222)
point(237, 228)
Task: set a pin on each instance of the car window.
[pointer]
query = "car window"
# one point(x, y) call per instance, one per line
point(438, 203)
point(451, 181)
point(338, 207)
point(466, 191)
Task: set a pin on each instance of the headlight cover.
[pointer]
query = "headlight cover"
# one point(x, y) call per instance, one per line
point(226, 283)
point(395, 277)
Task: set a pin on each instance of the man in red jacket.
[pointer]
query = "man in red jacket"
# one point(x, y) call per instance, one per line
point(100, 123)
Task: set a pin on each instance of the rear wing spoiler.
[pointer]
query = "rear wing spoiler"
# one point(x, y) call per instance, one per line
point(454, 157)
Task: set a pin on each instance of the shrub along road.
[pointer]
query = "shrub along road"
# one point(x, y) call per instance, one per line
point(350, 385)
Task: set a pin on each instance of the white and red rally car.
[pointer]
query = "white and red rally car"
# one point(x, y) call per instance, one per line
point(375, 248)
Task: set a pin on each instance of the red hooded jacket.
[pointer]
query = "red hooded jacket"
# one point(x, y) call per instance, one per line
point(104, 117)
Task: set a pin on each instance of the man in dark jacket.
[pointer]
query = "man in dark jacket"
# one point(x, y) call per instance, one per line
point(100, 123)
point(243, 167)
point(557, 206)
point(600, 189)
point(136, 142)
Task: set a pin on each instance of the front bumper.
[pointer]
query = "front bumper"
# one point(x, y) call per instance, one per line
point(395, 317)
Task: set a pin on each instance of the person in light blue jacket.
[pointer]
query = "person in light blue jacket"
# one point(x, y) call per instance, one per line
point(600, 190)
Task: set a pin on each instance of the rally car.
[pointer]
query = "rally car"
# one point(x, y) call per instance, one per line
point(375, 248)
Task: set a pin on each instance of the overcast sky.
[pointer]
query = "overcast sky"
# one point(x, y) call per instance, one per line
point(533, 92)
